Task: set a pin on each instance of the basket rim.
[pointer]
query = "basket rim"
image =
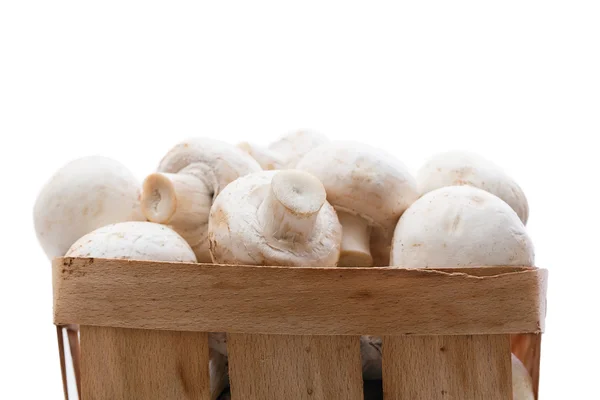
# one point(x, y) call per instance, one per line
point(299, 300)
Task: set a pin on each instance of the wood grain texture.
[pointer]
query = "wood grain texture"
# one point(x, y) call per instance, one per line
point(277, 367)
point(528, 347)
point(132, 364)
point(74, 349)
point(285, 300)
point(470, 367)
point(61, 355)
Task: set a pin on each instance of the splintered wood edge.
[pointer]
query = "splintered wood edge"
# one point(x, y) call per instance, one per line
point(301, 301)
point(61, 354)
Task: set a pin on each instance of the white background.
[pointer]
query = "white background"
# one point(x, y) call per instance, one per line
point(517, 81)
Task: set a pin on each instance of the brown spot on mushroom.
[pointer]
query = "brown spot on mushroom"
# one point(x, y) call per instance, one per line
point(220, 217)
point(455, 223)
point(99, 207)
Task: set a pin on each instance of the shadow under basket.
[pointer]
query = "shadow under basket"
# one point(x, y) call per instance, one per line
point(293, 333)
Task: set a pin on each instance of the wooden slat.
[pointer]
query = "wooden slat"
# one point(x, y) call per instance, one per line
point(283, 300)
point(277, 367)
point(527, 347)
point(447, 367)
point(74, 349)
point(61, 355)
point(132, 364)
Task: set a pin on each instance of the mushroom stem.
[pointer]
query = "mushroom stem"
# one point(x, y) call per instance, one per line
point(290, 208)
point(355, 251)
point(180, 200)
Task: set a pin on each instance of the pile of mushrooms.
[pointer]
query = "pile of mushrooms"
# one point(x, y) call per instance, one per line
point(301, 201)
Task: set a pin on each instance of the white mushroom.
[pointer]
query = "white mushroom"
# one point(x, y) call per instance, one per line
point(286, 151)
point(455, 168)
point(369, 189)
point(189, 178)
point(460, 226)
point(84, 195)
point(218, 367)
point(521, 381)
point(133, 241)
point(266, 158)
point(274, 218)
point(153, 242)
point(454, 226)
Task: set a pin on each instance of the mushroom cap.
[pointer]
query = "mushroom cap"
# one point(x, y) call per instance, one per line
point(458, 226)
point(362, 180)
point(133, 241)
point(292, 147)
point(455, 168)
point(267, 159)
point(218, 342)
point(84, 195)
point(217, 367)
point(236, 235)
point(521, 381)
point(221, 162)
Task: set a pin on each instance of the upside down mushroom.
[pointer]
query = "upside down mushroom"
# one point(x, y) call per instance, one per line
point(189, 178)
point(84, 195)
point(286, 151)
point(273, 218)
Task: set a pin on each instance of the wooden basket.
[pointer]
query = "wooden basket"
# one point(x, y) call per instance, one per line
point(293, 333)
